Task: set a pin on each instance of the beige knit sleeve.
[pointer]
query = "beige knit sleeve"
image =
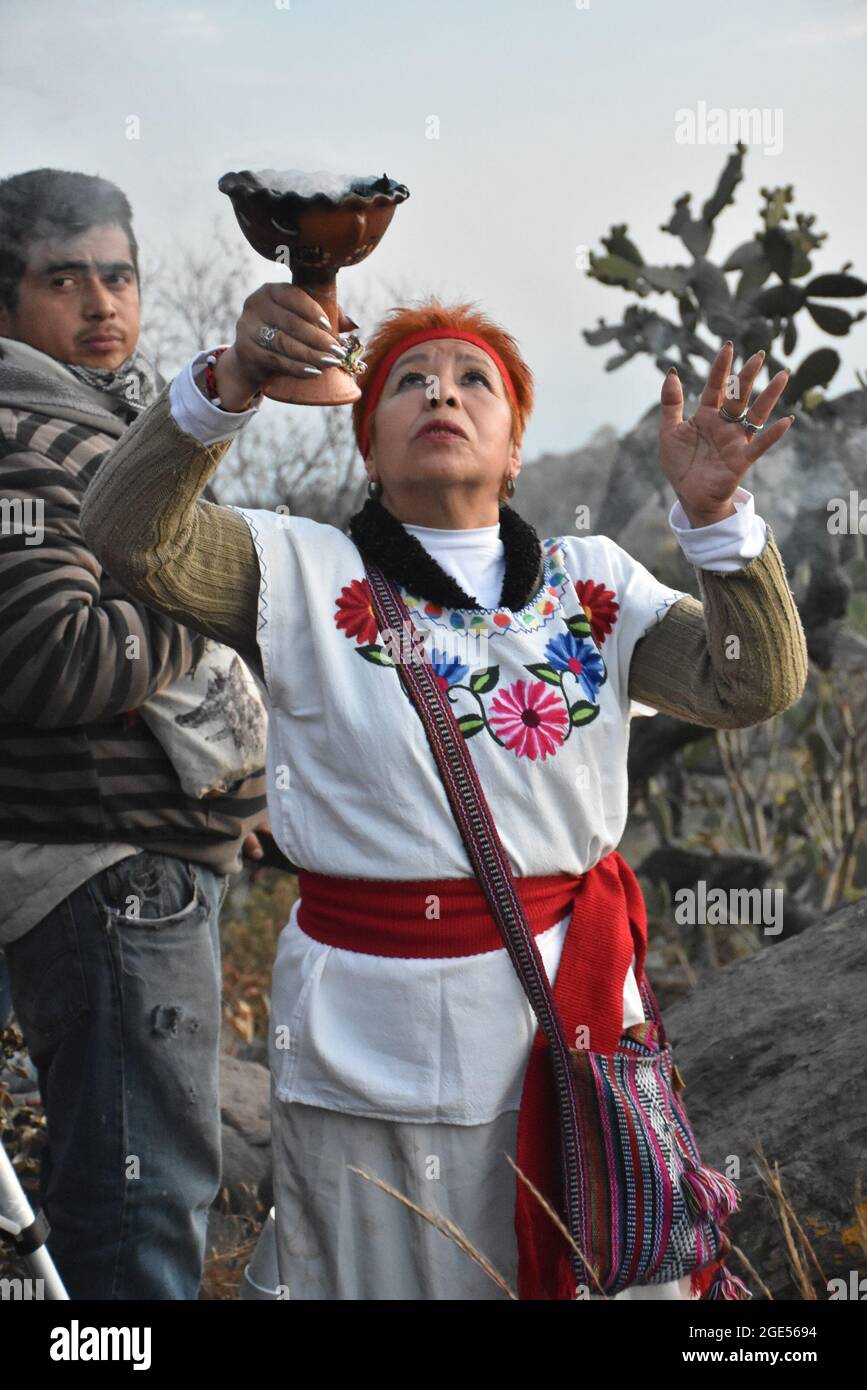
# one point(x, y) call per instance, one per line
point(142, 518)
point(732, 661)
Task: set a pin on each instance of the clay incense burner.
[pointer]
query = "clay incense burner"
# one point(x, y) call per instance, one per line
point(316, 223)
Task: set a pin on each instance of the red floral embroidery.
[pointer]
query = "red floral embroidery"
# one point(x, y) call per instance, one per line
point(598, 603)
point(354, 614)
point(530, 719)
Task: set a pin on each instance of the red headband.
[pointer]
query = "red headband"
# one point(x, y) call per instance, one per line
point(374, 390)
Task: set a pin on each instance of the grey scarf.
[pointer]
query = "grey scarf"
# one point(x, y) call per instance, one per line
point(134, 382)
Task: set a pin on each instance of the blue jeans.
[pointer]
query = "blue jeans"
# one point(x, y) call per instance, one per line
point(118, 995)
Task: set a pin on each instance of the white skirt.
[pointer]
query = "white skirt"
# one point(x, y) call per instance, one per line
point(340, 1236)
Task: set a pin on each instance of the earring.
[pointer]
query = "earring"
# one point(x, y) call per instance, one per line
point(510, 487)
point(374, 488)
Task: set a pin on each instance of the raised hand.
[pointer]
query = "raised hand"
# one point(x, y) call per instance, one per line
point(706, 456)
point(303, 344)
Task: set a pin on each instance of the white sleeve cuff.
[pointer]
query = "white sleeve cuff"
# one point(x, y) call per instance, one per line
point(198, 416)
point(726, 545)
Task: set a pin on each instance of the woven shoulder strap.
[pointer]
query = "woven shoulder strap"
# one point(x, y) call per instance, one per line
point(490, 863)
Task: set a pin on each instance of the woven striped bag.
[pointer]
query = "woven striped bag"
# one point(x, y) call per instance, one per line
point(653, 1211)
point(637, 1199)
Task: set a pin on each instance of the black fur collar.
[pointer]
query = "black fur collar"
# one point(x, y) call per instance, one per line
point(402, 557)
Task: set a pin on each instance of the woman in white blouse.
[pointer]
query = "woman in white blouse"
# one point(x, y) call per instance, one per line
point(393, 1051)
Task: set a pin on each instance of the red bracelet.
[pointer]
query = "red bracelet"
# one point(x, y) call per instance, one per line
point(211, 376)
point(210, 380)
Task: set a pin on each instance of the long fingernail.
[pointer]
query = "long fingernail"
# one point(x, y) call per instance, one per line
point(350, 322)
point(326, 322)
point(332, 361)
point(314, 371)
point(761, 355)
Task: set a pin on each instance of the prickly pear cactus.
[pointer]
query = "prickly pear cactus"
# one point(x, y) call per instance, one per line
point(752, 312)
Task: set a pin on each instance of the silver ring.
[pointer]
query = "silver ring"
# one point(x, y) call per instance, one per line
point(266, 335)
point(741, 420)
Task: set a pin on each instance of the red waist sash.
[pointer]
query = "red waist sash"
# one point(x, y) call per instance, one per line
point(608, 923)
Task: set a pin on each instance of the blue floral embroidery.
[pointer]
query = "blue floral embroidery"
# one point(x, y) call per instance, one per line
point(569, 653)
point(447, 667)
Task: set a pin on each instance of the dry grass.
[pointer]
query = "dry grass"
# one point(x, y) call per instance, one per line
point(798, 1245)
point(455, 1234)
point(22, 1129)
point(799, 1248)
point(445, 1227)
point(224, 1270)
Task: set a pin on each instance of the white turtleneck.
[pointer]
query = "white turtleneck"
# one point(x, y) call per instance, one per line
point(475, 557)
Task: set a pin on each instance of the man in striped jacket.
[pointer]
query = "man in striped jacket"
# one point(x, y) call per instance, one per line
point(113, 877)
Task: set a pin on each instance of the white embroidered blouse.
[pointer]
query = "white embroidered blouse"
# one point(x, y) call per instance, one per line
point(353, 788)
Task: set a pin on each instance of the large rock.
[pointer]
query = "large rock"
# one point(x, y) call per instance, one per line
point(245, 1111)
point(771, 1051)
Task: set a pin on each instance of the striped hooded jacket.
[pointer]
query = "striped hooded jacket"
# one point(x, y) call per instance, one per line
point(76, 763)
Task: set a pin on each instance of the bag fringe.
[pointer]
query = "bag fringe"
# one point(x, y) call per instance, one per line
point(727, 1285)
point(707, 1191)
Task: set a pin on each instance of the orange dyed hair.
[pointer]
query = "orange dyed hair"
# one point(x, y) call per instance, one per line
point(400, 322)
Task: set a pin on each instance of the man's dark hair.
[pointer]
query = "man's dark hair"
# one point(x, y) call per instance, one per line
point(53, 203)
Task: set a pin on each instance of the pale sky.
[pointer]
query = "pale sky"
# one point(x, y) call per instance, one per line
point(554, 122)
